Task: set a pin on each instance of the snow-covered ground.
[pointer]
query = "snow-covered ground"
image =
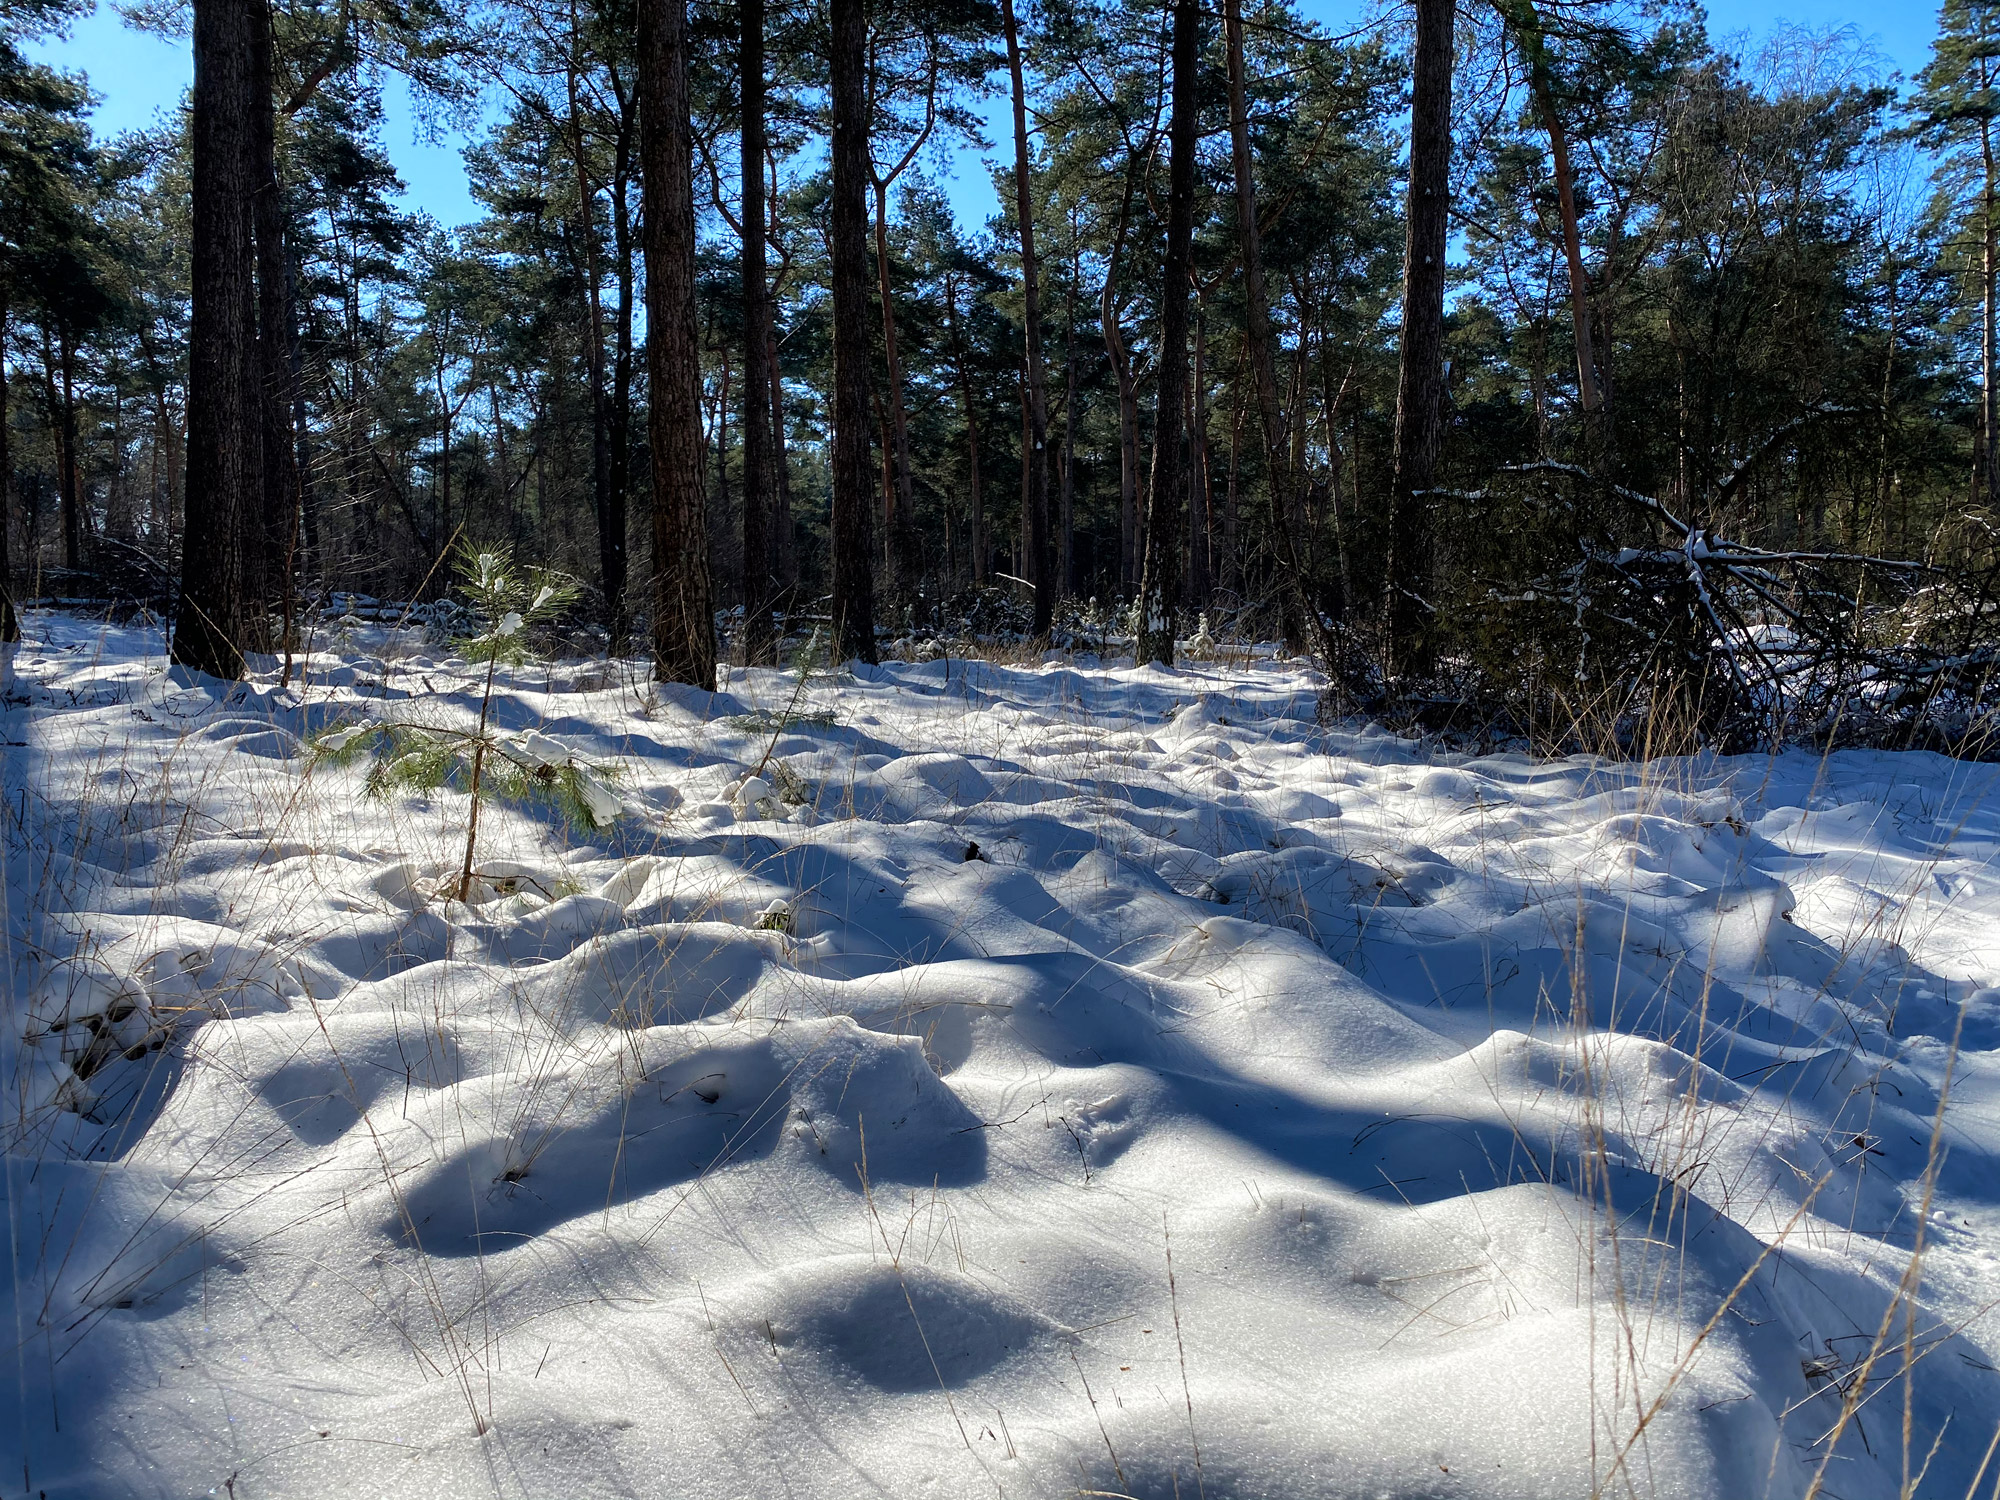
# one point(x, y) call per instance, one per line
point(1256, 1111)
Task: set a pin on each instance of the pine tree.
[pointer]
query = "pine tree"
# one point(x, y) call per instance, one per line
point(225, 421)
point(853, 569)
point(1159, 589)
point(683, 598)
point(46, 161)
point(1957, 104)
point(1420, 383)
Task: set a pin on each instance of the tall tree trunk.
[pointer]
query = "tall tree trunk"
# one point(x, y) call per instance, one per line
point(1295, 607)
point(1228, 571)
point(269, 544)
point(1989, 273)
point(975, 542)
point(72, 499)
point(899, 498)
point(1034, 457)
point(1200, 570)
point(618, 490)
point(1159, 587)
point(853, 566)
point(785, 549)
point(10, 624)
point(1128, 445)
point(757, 641)
point(225, 437)
point(1128, 398)
point(609, 508)
point(1420, 378)
point(1533, 42)
point(683, 597)
point(1068, 504)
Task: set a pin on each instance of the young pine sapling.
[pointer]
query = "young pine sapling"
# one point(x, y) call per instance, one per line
point(411, 755)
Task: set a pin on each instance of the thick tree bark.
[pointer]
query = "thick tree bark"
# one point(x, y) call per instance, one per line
point(757, 641)
point(853, 485)
point(1420, 379)
point(1159, 590)
point(683, 597)
point(225, 430)
point(1035, 458)
point(10, 624)
point(269, 545)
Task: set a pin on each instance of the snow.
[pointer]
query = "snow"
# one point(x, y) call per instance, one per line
point(1037, 1080)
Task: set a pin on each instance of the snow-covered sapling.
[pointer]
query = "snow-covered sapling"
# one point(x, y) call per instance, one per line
point(522, 766)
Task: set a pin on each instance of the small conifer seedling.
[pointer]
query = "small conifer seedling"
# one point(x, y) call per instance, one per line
point(406, 754)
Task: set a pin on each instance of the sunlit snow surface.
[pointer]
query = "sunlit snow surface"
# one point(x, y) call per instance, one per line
point(1515, 1128)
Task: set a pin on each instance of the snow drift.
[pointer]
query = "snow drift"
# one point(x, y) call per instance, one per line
point(1054, 1080)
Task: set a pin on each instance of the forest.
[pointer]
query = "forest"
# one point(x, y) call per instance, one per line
point(1307, 818)
point(1503, 356)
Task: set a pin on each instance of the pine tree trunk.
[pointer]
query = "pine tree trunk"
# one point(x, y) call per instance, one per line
point(224, 485)
point(1129, 535)
point(899, 499)
point(1128, 400)
point(683, 598)
point(617, 507)
point(975, 543)
point(1279, 477)
point(10, 624)
point(1989, 397)
point(269, 544)
point(1159, 587)
point(1200, 570)
point(607, 506)
point(1066, 508)
point(1420, 378)
point(1034, 458)
point(71, 500)
point(853, 544)
point(785, 550)
point(757, 642)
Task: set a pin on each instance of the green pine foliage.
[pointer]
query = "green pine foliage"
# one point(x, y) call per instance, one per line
point(405, 754)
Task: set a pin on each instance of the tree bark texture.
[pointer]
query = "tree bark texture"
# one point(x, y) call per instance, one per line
point(757, 641)
point(1159, 589)
point(270, 545)
point(1034, 458)
point(225, 436)
point(853, 485)
point(10, 624)
point(1420, 378)
point(683, 598)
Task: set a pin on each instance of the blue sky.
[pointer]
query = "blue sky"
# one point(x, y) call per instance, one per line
point(137, 76)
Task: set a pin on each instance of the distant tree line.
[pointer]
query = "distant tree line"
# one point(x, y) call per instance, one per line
point(1270, 323)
